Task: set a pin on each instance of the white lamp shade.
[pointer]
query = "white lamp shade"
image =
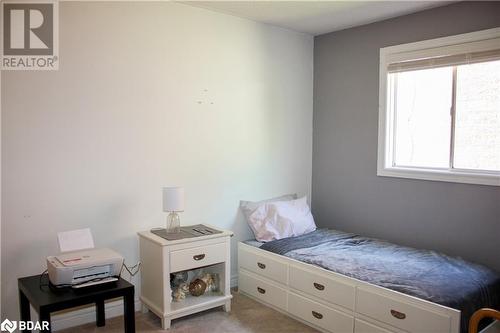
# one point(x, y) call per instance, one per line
point(173, 199)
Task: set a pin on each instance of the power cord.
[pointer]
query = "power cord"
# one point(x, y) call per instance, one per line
point(40, 285)
point(132, 270)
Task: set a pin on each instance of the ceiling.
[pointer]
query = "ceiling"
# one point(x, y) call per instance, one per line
point(316, 17)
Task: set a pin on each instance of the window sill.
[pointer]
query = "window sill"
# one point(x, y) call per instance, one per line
point(491, 179)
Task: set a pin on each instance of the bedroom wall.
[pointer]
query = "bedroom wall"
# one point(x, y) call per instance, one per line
point(149, 95)
point(459, 219)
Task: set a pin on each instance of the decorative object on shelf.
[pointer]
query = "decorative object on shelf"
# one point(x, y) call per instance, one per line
point(195, 273)
point(197, 287)
point(180, 292)
point(211, 280)
point(177, 278)
point(173, 203)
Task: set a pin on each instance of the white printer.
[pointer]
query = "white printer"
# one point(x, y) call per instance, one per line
point(84, 267)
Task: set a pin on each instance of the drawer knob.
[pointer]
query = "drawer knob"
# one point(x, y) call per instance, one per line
point(319, 286)
point(261, 290)
point(317, 315)
point(199, 256)
point(261, 265)
point(398, 315)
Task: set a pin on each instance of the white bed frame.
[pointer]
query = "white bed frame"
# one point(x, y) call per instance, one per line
point(331, 302)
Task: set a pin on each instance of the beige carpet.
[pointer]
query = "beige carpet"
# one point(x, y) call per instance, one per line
point(247, 316)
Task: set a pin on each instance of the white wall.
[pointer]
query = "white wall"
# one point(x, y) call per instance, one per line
point(149, 95)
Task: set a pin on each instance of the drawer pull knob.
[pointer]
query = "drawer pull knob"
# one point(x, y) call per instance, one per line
point(199, 256)
point(261, 265)
point(319, 286)
point(398, 315)
point(317, 315)
point(260, 290)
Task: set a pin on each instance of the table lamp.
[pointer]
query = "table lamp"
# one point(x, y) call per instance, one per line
point(173, 202)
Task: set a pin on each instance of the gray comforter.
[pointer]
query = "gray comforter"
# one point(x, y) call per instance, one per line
point(428, 275)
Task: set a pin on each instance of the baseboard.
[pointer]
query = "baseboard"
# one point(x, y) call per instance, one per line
point(87, 315)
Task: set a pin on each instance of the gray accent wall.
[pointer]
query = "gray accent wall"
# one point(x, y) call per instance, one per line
point(458, 219)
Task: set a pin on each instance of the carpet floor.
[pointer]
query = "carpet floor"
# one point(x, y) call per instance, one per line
point(246, 316)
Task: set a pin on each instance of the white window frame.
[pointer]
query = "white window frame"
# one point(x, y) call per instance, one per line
point(475, 41)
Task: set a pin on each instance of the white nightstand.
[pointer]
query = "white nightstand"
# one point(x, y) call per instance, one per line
point(161, 257)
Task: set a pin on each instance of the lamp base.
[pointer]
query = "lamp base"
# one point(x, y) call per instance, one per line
point(173, 223)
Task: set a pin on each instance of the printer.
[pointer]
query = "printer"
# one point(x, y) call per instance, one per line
point(83, 268)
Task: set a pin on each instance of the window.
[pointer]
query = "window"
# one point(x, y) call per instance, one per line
point(439, 116)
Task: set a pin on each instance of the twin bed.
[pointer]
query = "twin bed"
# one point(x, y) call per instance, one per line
point(342, 282)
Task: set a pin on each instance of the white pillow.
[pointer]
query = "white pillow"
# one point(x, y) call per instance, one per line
point(248, 207)
point(276, 220)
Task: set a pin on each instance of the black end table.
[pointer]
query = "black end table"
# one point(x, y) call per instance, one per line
point(35, 290)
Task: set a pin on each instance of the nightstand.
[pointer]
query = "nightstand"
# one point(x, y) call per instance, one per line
point(161, 257)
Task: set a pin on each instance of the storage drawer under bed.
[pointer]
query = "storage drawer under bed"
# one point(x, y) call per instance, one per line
point(400, 314)
point(321, 286)
point(361, 326)
point(262, 290)
point(320, 315)
point(263, 265)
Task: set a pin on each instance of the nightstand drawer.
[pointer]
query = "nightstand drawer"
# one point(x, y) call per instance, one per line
point(197, 257)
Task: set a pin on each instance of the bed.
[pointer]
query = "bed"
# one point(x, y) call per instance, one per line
point(343, 282)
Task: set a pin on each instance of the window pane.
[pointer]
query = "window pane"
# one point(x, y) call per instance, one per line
point(477, 128)
point(422, 117)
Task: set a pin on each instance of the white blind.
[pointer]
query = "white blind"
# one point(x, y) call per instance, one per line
point(451, 60)
point(451, 55)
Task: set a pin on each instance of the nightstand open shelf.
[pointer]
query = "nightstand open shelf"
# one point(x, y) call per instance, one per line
point(193, 301)
point(161, 257)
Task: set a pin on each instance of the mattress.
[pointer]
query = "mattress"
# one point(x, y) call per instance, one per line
point(428, 275)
